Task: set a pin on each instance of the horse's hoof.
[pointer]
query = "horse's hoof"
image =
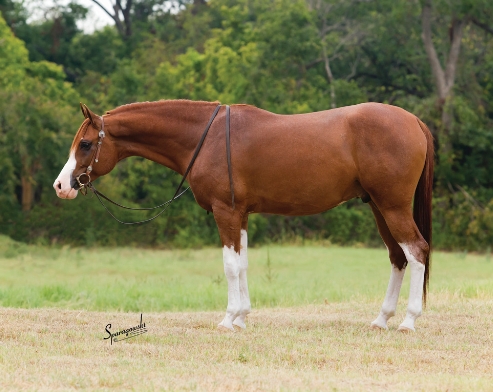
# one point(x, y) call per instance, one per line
point(239, 324)
point(379, 323)
point(222, 328)
point(378, 327)
point(404, 329)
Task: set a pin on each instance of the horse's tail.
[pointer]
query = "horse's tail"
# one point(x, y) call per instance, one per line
point(423, 201)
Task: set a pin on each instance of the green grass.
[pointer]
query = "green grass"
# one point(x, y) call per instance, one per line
point(308, 331)
point(126, 279)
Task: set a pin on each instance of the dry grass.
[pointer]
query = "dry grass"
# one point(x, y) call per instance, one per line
point(316, 347)
point(293, 341)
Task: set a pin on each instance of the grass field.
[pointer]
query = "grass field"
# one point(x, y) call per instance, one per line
point(126, 279)
point(308, 330)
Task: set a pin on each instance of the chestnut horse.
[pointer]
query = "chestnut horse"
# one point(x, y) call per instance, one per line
point(280, 164)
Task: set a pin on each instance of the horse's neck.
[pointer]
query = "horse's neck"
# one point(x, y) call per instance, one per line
point(166, 132)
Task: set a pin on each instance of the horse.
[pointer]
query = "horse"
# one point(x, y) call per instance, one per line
point(299, 164)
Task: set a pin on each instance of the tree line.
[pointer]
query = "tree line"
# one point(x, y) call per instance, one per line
point(431, 57)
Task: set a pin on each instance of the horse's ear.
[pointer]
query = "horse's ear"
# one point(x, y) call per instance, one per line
point(83, 109)
point(93, 118)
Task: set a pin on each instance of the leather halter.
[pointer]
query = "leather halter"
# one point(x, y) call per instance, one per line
point(84, 179)
point(85, 182)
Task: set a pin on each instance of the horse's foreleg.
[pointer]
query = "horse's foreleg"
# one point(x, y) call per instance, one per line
point(229, 224)
point(244, 295)
point(231, 260)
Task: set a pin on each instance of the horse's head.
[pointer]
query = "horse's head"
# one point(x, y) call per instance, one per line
point(92, 155)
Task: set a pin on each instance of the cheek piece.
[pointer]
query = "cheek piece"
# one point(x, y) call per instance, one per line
point(84, 179)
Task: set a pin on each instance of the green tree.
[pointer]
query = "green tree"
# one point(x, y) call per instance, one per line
point(35, 112)
point(282, 55)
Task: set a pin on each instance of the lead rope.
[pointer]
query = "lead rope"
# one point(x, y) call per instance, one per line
point(177, 194)
point(166, 204)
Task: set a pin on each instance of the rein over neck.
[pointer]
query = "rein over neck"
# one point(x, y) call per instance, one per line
point(177, 194)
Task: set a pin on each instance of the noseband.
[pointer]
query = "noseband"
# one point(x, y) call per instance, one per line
point(84, 179)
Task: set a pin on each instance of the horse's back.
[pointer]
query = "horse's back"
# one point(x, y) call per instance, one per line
point(294, 162)
point(307, 163)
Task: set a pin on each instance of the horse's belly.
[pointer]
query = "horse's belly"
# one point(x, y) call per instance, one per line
point(303, 178)
point(301, 192)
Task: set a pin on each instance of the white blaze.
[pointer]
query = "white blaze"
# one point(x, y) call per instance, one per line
point(63, 183)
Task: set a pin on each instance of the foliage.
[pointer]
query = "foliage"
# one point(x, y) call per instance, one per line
point(31, 136)
point(276, 55)
point(464, 223)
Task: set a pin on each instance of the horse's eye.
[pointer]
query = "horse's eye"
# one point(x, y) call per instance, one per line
point(85, 145)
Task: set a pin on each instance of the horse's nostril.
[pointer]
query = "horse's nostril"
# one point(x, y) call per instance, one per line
point(59, 185)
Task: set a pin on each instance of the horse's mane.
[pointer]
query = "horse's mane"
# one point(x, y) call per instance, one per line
point(138, 105)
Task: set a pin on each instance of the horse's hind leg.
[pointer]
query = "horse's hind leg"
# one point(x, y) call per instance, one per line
point(404, 230)
point(229, 224)
point(398, 267)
